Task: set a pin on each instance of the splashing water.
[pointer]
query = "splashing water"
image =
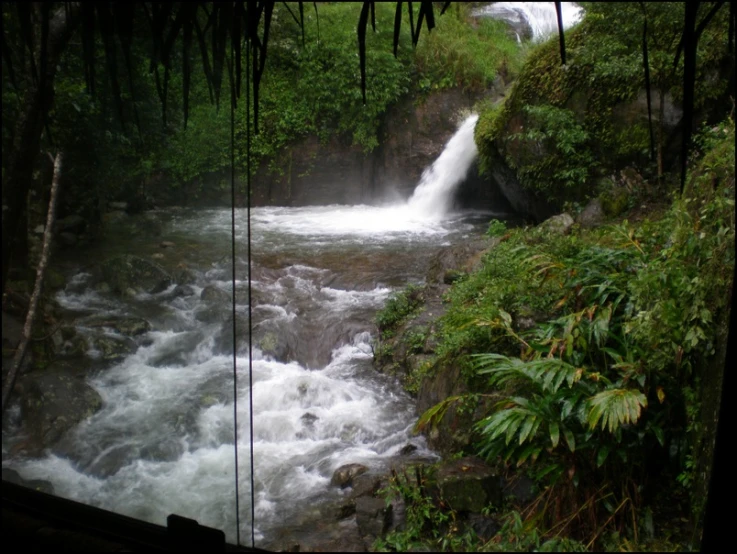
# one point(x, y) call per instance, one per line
point(433, 197)
point(539, 16)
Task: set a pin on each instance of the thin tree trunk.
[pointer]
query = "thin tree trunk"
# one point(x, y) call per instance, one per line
point(26, 145)
point(40, 270)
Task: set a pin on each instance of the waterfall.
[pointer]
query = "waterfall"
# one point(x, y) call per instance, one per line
point(433, 196)
point(540, 17)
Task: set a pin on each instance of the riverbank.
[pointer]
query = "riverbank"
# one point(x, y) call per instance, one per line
point(584, 353)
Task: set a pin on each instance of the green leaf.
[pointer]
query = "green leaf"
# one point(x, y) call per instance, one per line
point(602, 455)
point(569, 439)
point(554, 433)
point(615, 407)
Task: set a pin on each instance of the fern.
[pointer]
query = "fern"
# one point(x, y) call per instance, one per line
point(614, 408)
point(548, 374)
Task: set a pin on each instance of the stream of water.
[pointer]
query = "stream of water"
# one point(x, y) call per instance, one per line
point(163, 441)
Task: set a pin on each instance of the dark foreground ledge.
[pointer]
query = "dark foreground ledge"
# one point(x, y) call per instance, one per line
point(36, 522)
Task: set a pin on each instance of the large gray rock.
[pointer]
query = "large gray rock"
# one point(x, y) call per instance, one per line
point(373, 516)
point(558, 224)
point(53, 403)
point(131, 273)
point(592, 215)
point(343, 476)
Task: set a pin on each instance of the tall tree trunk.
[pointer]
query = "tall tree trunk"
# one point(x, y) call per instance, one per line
point(38, 285)
point(25, 149)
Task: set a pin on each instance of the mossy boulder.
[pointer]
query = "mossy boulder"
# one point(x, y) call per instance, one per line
point(563, 126)
point(126, 274)
point(468, 484)
point(54, 402)
point(614, 202)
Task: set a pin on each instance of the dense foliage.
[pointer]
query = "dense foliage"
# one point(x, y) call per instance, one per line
point(563, 127)
point(599, 342)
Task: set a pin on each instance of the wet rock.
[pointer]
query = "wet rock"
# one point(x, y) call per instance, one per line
point(407, 449)
point(128, 272)
point(224, 339)
point(373, 516)
point(452, 262)
point(131, 326)
point(166, 244)
point(558, 224)
point(308, 419)
point(184, 276)
point(54, 402)
point(213, 295)
point(468, 484)
point(128, 326)
point(175, 351)
point(182, 291)
point(113, 349)
point(73, 348)
point(365, 485)
point(12, 476)
point(344, 475)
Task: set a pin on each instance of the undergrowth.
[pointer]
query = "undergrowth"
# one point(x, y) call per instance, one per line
point(598, 341)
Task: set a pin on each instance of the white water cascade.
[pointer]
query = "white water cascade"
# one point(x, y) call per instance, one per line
point(433, 197)
point(539, 16)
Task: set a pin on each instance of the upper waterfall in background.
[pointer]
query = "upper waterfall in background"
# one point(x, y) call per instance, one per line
point(539, 16)
point(433, 197)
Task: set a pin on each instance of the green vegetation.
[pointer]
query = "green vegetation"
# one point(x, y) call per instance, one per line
point(309, 88)
point(562, 127)
point(600, 342)
point(398, 308)
point(468, 53)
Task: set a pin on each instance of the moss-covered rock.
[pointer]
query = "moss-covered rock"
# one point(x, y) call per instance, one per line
point(52, 403)
point(562, 126)
point(468, 485)
point(614, 202)
point(126, 274)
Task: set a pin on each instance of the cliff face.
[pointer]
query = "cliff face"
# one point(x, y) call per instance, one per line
point(413, 136)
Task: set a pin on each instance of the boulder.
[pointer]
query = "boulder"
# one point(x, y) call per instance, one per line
point(113, 349)
point(558, 224)
point(373, 516)
point(592, 215)
point(343, 476)
point(131, 273)
point(54, 402)
point(213, 295)
point(468, 484)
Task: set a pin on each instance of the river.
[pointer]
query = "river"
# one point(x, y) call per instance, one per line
point(163, 441)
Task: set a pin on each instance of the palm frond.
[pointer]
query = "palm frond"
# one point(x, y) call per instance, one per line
point(548, 374)
point(614, 408)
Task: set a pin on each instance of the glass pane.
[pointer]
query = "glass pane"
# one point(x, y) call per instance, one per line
point(136, 413)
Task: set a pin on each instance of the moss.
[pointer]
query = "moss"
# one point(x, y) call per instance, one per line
point(600, 92)
point(614, 202)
